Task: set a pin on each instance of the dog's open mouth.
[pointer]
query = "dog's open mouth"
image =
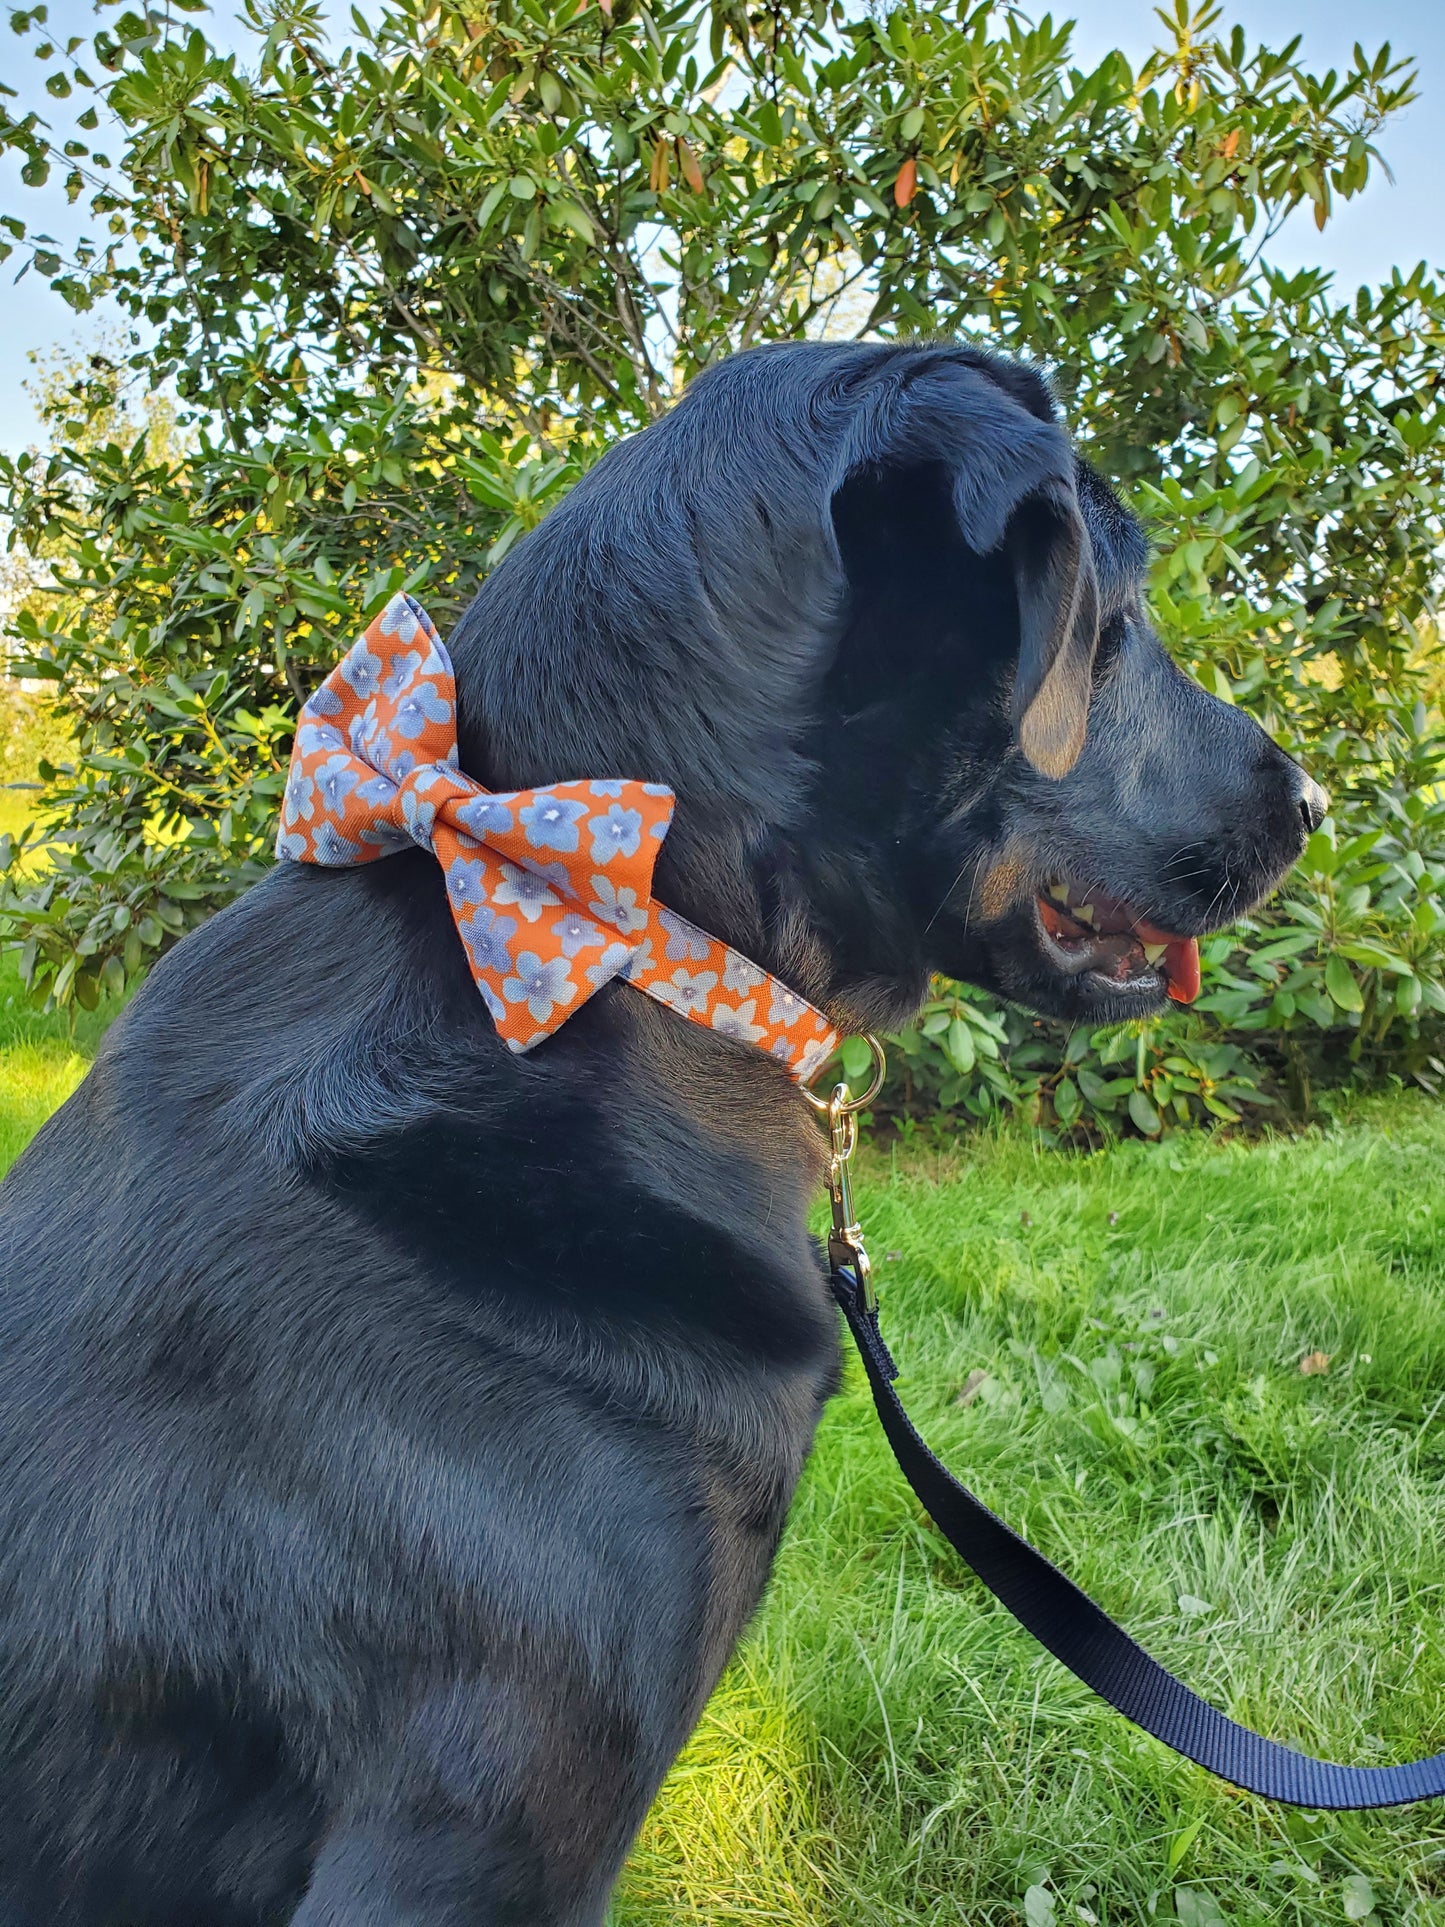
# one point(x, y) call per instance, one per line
point(1089, 931)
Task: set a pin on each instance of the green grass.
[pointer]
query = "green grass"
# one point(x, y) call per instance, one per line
point(17, 808)
point(42, 1059)
point(888, 1747)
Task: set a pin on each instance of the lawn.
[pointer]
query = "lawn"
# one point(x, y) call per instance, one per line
point(889, 1747)
point(1110, 1349)
point(41, 1061)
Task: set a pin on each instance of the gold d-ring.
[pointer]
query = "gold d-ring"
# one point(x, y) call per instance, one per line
point(846, 1250)
point(842, 1103)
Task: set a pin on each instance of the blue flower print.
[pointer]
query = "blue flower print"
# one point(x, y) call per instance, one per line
point(540, 986)
point(335, 780)
point(814, 1057)
point(684, 944)
point(616, 834)
point(400, 671)
point(484, 816)
point(428, 776)
point(526, 890)
point(605, 786)
point(399, 618)
point(787, 1007)
point(467, 883)
point(373, 745)
point(291, 848)
point(550, 823)
point(377, 790)
point(486, 935)
point(325, 702)
point(419, 816)
point(416, 710)
point(616, 960)
point(311, 737)
point(384, 839)
point(620, 908)
point(360, 671)
point(332, 847)
point(300, 796)
point(656, 789)
point(740, 975)
point(737, 1023)
point(577, 933)
point(688, 989)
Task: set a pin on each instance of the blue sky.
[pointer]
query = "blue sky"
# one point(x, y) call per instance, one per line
point(1389, 225)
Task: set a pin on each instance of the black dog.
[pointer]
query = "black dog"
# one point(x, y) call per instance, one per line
point(397, 1433)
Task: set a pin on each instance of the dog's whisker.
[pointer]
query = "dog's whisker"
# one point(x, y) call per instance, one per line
point(977, 864)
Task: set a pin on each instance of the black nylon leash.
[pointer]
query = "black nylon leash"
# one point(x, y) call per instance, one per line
point(1082, 1635)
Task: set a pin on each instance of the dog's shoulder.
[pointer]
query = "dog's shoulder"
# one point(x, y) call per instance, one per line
point(312, 1073)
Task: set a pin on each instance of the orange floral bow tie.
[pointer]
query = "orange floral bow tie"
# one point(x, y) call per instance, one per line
point(551, 888)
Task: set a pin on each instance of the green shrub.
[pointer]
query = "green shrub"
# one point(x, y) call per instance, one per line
point(403, 294)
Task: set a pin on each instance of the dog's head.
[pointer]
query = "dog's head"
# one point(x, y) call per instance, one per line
point(869, 615)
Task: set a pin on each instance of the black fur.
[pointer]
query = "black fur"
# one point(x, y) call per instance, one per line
point(396, 1433)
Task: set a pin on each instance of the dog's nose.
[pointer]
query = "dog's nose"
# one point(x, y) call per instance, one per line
point(1313, 801)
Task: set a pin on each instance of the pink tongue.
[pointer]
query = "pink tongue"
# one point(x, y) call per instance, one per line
point(1181, 960)
point(1181, 965)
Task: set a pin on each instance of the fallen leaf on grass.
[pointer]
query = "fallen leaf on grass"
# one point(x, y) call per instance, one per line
point(972, 1386)
point(1197, 1907)
point(1313, 1364)
point(1039, 1907)
point(1358, 1896)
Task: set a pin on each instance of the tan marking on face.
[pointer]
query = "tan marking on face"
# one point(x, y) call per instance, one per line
point(1005, 883)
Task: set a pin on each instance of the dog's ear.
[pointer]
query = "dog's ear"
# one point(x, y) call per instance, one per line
point(691, 590)
point(992, 427)
point(1058, 628)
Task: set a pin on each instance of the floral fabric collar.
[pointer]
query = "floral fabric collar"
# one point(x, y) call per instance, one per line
point(551, 888)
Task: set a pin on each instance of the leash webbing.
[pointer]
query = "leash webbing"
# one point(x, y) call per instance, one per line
point(1090, 1644)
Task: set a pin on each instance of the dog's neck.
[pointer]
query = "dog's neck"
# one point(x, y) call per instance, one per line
point(826, 922)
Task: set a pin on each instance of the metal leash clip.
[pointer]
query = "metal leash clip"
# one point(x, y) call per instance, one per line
point(845, 1239)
